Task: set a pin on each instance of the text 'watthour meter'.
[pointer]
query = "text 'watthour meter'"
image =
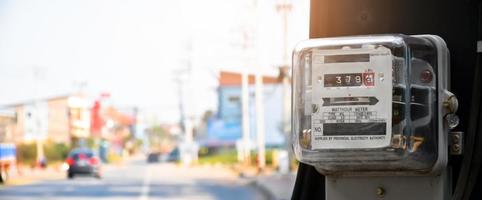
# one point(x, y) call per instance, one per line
point(373, 105)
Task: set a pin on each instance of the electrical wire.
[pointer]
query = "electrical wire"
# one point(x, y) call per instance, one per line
point(473, 142)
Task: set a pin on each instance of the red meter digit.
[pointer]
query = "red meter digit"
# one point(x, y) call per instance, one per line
point(368, 79)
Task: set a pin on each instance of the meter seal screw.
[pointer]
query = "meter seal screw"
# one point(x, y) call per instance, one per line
point(452, 120)
point(305, 140)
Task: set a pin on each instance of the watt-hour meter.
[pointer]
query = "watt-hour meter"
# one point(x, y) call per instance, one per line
point(372, 104)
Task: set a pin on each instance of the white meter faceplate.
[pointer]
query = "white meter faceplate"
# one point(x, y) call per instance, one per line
point(351, 98)
point(371, 104)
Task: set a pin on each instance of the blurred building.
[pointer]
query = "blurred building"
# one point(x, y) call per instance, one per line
point(58, 119)
point(224, 128)
point(115, 128)
point(118, 129)
point(7, 125)
point(79, 116)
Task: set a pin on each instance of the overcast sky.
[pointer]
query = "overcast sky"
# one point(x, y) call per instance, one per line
point(132, 48)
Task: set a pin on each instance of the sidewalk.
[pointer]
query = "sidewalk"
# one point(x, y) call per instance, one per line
point(276, 186)
point(26, 175)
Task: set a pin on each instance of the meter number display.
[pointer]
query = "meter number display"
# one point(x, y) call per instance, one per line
point(349, 80)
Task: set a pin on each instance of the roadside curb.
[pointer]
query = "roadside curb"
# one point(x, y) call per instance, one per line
point(18, 182)
point(32, 176)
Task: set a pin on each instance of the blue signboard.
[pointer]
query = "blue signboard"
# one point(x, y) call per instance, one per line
point(226, 126)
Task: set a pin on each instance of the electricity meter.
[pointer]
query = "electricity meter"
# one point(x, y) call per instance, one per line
point(372, 104)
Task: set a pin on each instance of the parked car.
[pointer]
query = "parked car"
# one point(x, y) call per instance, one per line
point(7, 160)
point(153, 157)
point(83, 161)
point(174, 155)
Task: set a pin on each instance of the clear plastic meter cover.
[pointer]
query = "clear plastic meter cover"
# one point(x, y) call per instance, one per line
point(368, 103)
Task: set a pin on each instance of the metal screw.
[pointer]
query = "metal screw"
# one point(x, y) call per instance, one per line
point(315, 108)
point(380, 192)
point(451, 104)
point(320, 80)
point(456, 138)
point(456, 147)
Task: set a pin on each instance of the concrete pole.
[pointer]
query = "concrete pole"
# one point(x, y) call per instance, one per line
point(40, 149)
point(284, 9)
point(287, 113)
point(37, 73)
point(245, 116)
point(189, 130)
point(187, 152)
point(260, 121)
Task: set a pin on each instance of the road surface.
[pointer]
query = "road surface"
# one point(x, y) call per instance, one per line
point(140, 181)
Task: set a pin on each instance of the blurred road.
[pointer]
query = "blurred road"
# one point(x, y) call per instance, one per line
point(140, 181)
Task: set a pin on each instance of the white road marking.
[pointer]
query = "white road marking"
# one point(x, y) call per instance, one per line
point(145, 185)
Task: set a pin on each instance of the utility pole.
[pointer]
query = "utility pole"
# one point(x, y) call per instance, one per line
point(260, 120)
point(245, 120)
point(284, 9)
point(37, 73)
point(180, 80)
point(188, 147)
point(180, 85)
point(245, 115)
